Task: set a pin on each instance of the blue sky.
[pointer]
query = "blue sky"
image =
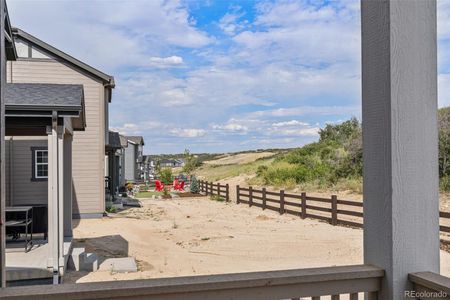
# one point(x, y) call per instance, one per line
point(216, 76)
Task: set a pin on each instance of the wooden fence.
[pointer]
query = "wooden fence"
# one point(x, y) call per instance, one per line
point(327, 209)
point(210, 188)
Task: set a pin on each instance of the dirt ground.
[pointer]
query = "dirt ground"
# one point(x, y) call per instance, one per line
point(197, 236)
point(239, 159)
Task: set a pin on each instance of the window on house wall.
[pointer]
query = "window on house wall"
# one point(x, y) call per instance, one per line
point(40, 164)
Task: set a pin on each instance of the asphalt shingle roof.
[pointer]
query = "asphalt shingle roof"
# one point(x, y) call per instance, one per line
point(45, 95)
point(114, 140)
point(136, 139)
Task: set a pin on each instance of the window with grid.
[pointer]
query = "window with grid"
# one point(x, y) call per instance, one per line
point(40, 164)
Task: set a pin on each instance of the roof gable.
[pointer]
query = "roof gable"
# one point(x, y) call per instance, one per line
point(107, 80)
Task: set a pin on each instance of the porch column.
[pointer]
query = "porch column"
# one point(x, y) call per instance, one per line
point(399, 117)
point(61, 199)
point(55, 195)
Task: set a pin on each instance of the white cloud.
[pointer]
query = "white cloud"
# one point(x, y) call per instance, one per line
point(188, 132)
point(289, 123)
point(164, 62)
point(121, 33)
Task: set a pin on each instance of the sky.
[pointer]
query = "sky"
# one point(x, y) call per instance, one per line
point(220, 76)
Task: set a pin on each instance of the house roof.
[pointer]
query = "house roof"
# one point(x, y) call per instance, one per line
point(44, 95)
point(123, 141)
point(38, 99)
point(136, 140)
point(10, 47)
point(107, 80)
point(114, 140)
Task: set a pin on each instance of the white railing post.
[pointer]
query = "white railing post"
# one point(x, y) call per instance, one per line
point(399, 117)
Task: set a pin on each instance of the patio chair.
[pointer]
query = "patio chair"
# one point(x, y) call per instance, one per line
point(159, 186)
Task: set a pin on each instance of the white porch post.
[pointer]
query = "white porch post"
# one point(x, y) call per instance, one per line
point(61, 199)
point(399, 115)
point(54, 194)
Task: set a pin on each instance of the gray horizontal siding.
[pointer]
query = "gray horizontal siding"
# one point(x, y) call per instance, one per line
point(20, 189)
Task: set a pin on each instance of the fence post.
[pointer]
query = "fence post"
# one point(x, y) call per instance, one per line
point(334, 210)
point(227, 192)
point(303, 215)
point(264, 198)
point(281, 202)
point(250, 196)
point(237, 194)
point(206, 188)
point(218, 189)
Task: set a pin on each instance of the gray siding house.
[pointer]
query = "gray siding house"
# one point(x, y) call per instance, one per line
point(134, 158)
point(39, 62)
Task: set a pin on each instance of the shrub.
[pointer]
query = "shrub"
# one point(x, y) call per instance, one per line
point(194, 188)
point(217, 198)
point(166, 175)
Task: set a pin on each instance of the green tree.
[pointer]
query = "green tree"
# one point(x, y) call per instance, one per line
point(194, 188)
point(166, 175)
point(190, 162)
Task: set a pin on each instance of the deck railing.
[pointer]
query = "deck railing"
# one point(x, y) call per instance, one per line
point(289, 284)
point(428, 285)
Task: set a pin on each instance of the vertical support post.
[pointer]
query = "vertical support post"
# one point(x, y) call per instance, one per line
point(334, 216)
point(250, 196)
point(399, 118)
point(53, 203)
point(264, 198)
point(206, 188)
point(60, 220)
point(227, 190)
point(2, 143)
point(238, 192)
point(303, 215)
point(281, 202)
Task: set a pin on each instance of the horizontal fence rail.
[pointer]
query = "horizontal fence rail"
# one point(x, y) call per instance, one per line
point(302, 205)
point(210, 188)
point(329, 209)
point(289, 284)
point(428, 285)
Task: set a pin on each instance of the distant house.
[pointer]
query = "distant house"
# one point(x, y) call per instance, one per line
point(124, 145)
point(134, 158)
point(149, 167)
point(39, 62)
point(114, 154)
point(172, 163)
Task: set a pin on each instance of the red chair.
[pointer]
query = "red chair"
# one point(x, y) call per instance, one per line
point(177, 186)
point(159, 186)
point(181, 186)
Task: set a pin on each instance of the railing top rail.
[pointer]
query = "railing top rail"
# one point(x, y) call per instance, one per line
point(192, 284)
point(431, 280)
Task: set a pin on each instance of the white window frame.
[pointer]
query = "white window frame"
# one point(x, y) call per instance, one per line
point(36, 164)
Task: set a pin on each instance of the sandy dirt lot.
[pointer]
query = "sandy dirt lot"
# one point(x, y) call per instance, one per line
point(239, 159)
point(193, 236)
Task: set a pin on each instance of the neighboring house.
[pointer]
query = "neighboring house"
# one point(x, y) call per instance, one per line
point(124, 145)
point(134, 158)
point(172, 163)
point(39, 62)
point(114, 153)
point(149, 167)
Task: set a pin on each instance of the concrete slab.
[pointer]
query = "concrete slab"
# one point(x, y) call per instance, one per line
point(119, 265)
point(33, 264)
